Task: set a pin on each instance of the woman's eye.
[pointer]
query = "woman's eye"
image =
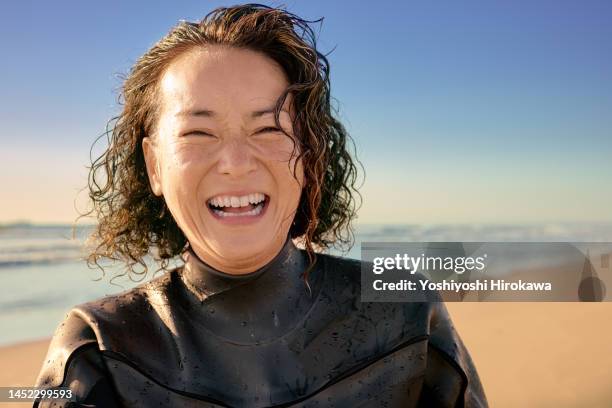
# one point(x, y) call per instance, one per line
point(198, 133)
point(269, 129)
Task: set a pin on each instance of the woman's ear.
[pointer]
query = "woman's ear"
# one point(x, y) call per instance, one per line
point(151, 161)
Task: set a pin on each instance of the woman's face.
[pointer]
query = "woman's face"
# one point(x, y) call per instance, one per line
point(223, 167)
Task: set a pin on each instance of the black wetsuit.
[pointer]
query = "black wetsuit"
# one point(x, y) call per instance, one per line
point(197, 337)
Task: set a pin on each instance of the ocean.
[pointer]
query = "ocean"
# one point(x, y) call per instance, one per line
point(43, 274)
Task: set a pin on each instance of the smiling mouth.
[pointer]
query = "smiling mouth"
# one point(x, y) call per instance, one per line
point(249, 205)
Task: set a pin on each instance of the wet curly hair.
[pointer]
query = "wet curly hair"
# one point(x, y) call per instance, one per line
point(132, 220)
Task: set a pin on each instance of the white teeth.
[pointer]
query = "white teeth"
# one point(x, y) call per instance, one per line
point(256, 198)
point(221, 201)
point(255, 211)
point(237, 201)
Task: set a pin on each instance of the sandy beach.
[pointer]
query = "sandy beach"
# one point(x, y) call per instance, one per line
point(20, 364)
point(527, 354)
point(540, 354)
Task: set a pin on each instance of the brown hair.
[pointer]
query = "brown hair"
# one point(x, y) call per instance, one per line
point(132, 220)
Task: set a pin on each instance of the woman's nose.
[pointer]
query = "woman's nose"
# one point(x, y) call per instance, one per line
point(236, 159)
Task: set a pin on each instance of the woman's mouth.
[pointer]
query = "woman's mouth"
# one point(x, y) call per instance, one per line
point(245, 206)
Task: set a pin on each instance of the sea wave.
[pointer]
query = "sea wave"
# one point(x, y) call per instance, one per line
point(25, 245)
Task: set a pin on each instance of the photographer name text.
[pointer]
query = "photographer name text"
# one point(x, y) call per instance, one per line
point(454, 286)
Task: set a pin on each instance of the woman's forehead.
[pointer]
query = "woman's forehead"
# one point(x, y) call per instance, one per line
point(220, 78)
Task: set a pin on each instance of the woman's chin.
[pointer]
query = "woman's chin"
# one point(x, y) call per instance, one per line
point(245, 252)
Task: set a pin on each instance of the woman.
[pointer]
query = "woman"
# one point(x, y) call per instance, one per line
point(226, 150)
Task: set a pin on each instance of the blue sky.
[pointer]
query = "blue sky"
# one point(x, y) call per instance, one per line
point(462, 112)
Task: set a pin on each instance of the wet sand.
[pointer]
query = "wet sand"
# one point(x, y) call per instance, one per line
point(20, 365)
point(527, 354)
point(540, 354)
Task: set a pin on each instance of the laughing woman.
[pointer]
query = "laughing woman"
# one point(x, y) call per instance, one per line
point(227, 151)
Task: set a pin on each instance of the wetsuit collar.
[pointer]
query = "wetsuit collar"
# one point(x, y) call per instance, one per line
point(207, 281)
point(257, 307)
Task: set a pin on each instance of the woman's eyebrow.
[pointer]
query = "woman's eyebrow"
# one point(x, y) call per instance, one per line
point(209, 113)
point(257, 114)
point(196, 112)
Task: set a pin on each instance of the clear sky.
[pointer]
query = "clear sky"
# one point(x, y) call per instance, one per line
point(470, 111)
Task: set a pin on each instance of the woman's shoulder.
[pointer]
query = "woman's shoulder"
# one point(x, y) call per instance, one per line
point(398, 324)
point(342, 291)
point(104, 323)
point(339, 267)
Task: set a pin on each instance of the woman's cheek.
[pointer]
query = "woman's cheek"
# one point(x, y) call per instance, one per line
point(183, 173)
point(291, 184)
point(191, 157)
point(273, 147)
